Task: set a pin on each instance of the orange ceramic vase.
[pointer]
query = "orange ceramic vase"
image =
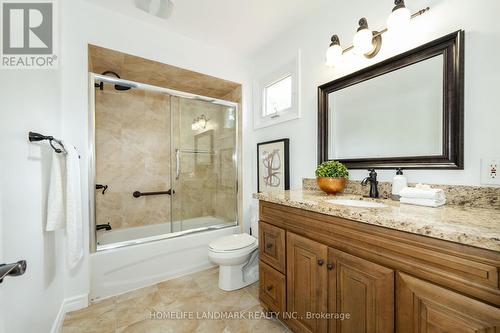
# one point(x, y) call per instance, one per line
point(331, 185)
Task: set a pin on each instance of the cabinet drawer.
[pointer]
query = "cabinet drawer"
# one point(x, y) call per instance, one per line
point(272, 246)
point(272, 288)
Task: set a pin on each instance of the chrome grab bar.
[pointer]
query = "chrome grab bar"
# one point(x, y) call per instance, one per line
point(14, 269)
point(188, 151)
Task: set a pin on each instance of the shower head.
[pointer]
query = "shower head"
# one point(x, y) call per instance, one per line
point(117, 86)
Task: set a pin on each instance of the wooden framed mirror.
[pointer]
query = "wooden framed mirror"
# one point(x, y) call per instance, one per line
point(404, 112)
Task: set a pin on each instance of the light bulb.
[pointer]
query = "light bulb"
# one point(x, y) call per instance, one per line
point(363, 41)
point(399, 20)
point(333, 55)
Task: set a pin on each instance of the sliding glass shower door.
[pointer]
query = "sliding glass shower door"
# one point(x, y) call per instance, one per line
point(204, 164)
point(164, 164)
point(132, 164)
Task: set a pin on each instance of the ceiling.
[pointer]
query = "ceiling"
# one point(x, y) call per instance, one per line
point(243, 26)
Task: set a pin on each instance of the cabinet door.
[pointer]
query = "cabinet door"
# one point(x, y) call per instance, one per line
point(362, 289)
point(425, 307)
point(306, 283)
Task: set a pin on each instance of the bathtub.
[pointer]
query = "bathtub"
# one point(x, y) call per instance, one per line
point(136, 235)
point(151, 258)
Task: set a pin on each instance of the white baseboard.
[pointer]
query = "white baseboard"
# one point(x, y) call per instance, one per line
point(75, 303)
point(68, 305)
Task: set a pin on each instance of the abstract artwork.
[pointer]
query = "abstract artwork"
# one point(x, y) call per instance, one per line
point(273, 166)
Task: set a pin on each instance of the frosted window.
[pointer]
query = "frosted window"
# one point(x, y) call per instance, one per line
point(278, 97)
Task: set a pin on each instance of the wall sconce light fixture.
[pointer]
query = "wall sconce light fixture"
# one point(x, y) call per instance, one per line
point(199, 123)
point(367, 42)
point(400, 17)
point(334, 51)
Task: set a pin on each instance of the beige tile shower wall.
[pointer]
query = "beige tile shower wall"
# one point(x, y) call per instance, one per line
point(207, 184)
point(132, 154)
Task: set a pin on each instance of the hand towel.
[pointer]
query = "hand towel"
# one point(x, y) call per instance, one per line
point(74, 220)
point(55, 202)
point(421, 193)
point(423, 202)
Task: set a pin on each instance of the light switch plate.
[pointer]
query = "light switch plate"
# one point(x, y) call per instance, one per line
point(490, 172)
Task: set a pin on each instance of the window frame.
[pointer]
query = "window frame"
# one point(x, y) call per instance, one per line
point(289, 69)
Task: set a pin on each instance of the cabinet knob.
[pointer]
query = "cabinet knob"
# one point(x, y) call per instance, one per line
point(269, 245)
point(269, 288)
point(320, 262)
point(330, 266)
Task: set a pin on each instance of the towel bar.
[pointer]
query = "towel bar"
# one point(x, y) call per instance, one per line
point(33, 137)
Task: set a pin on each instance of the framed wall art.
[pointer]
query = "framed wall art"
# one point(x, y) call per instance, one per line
point(273, 170)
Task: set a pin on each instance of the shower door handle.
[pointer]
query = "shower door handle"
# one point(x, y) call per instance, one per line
point(177, 163)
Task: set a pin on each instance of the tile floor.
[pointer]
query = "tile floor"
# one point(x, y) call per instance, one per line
point(132, 312)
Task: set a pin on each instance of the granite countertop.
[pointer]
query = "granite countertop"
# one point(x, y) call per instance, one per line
point(479, 227)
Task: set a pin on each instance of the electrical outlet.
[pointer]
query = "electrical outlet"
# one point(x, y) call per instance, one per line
point(490, 172)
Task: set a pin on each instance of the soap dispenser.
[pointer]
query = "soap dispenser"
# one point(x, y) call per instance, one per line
point(399, 182)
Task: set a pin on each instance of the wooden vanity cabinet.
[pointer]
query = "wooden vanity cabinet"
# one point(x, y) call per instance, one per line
point(386, 280)
point(307, 282)
point(363, 289)
point(322, 280)
point(424, 307)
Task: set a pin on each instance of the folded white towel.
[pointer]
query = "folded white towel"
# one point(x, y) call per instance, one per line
point(74, 220)
point(423, 193)
point(423, 202)
point(423, 186)
point(55, 203)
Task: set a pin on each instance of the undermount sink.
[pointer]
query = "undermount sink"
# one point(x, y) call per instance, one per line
point(357, 203)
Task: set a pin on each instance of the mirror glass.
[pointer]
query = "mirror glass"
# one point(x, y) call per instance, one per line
point(398, 114)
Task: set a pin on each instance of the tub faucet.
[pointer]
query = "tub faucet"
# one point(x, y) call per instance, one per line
point(372, 178)
point(107, 227)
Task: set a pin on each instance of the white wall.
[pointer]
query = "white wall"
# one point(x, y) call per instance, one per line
point(84, 23)
point(482, 52)
point(28, 101)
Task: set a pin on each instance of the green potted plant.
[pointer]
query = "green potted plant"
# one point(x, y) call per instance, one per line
point(332, 176)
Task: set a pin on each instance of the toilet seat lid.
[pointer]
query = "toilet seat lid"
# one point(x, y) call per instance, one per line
point(232, 242)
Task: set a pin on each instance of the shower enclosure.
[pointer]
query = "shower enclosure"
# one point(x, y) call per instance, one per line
point(164, 163)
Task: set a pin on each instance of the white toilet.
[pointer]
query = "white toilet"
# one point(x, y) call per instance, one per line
point(238, 260)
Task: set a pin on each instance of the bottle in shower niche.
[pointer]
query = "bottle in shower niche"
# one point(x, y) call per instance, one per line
point(398, 183)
